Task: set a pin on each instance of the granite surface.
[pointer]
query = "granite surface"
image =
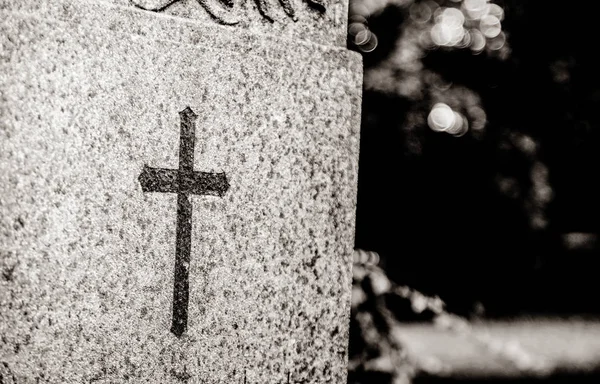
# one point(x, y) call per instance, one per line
point(90, 97)
point(326, 24)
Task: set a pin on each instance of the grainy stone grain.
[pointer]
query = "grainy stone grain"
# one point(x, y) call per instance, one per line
point(90, 93)
point(328, 27)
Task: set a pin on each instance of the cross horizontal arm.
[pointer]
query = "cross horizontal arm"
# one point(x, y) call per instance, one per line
point(158, 180)
point(203, 183)
point(174, 181)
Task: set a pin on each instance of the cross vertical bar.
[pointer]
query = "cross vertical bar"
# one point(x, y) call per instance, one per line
point(187, 140)
point(181, 289)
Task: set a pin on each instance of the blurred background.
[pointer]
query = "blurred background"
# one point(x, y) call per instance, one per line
point(478, 165)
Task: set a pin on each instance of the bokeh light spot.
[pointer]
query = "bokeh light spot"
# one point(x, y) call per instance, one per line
point(478, 117)
point(441, 117)
point(497, 42)
point(476, 9)
point(465, 41)
point(452, 17)
point(448, 29)
point(362, 37)
point(440, 35)
point(357, 19)
point(490, 26)
point(477, 40)
point(370, 44)
point(457, 125)
point(420, 12)
point(355, 28)
point(496, 10)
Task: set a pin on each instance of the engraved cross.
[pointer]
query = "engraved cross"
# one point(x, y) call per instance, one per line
point(185, 182)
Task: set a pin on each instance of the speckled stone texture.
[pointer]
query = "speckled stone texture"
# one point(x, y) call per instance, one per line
point(328, 27)
point(90, 94)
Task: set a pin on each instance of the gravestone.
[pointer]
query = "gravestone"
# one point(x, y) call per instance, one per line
point(177, 196)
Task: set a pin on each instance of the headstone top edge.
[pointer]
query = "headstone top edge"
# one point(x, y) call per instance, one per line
point(185, 30)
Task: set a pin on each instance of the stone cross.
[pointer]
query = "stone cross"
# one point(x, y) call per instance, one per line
point(184, 182)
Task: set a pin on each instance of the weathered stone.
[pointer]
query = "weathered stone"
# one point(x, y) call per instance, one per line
point(91, 94)
point(326, 24)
